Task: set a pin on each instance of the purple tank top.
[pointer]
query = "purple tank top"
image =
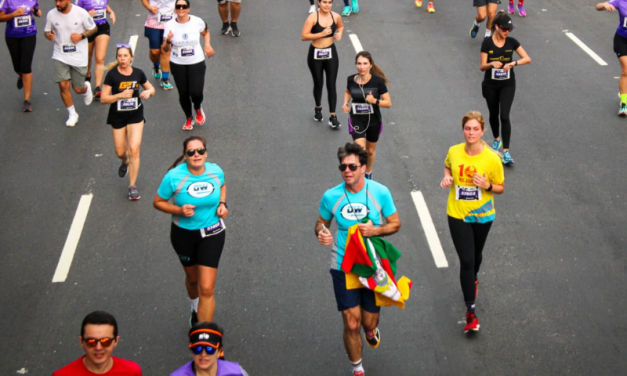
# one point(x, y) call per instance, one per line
point(224, 369)
point(621, 6)
point(20, 26)
point(100, 6)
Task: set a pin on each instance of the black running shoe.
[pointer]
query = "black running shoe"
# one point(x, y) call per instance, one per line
point(193, 319)
point(20, 83)
point(225, 28)
point(318, 116)
point(375, 340)
point(28, 107)
point(334, 123)
point(234, 30)
point(123, 170)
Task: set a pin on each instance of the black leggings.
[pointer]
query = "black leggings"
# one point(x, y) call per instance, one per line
point(330, 67)
point(22, 51)
point(190, 82)
point(469, 239)
point(500, 97)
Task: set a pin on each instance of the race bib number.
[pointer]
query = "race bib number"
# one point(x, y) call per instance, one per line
point(186, 51)
point(500, 74)
point(212, 230)
point(68, 48)
point(128, 104)
point(23, 21)
point(164, 17)
point(362, 109)
point(625, 22)
point(323, 53)
point(467, 193)
point(100, 14)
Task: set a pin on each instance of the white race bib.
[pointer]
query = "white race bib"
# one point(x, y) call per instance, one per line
point(164, 17)
point(625, 22)
point(128, 104)
point(500, 74)
point(362, 108)
point(100, 14)
point(22, 21)
point(323, 53)
point(68, 48)
point(467, 193)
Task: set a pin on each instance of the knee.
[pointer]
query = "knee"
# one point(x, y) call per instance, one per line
point(191, 281)
point(623, 74)
point(481, 15)
point(64, 86)
point(491, 15)
point(205, 291)
point(99, 60)
point(120, 153)
point(353, 326)
point(372, 149)
point(133, 152)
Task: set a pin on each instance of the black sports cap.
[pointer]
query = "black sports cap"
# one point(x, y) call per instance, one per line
point(504, 22)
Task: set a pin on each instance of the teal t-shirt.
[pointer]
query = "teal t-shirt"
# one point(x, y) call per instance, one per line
point(182, 187)
point(374, 201)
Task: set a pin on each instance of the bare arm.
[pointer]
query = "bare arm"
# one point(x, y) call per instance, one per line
point(208, 49)
point(223, 212)
point(163, 205)
point(485, 65)
point(340, 27)
point(306, 33)
point(391, 227)
point(605, 6)
point(107, 98)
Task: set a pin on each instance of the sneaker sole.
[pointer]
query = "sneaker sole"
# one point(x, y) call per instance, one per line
point(203, 121)
point(317, 119)
point(378, 343)
point(134, 198)
point(236, 36)
point(472, 330)
point(226, 32)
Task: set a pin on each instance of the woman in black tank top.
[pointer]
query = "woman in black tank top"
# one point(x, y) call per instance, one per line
point(322, 29)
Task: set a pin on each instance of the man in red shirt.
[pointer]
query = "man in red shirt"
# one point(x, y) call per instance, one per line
point(99, 336)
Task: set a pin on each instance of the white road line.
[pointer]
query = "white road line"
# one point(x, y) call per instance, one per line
point(587, 49)
point(356, 43)
point(133, 42)
point(63, 268)
point(430, 232)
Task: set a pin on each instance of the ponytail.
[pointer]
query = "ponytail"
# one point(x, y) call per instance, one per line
point(176, 162)
point(111, 65)
point(375, 69)
point(499, 14)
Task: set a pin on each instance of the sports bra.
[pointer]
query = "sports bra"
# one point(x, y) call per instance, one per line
point(317, 28)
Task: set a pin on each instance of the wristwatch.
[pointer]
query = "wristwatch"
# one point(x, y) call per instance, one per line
point(223, 202)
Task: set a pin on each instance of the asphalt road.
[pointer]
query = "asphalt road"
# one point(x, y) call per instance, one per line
point(551, 299)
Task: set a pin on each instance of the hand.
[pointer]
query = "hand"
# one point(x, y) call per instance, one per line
point(19, 12)
point(345, 108)
point(480, 181)
point(446, 182)
point(325, 237)
point(145, 94)
point(75, 37)
point(367, 229)
point(169, 37)
point(497, 64)
point(327, 31)
point(337, 36)
point(209, 51)
point(187, 210)
point(154, 9)
point(112, 16)
point(37, 12)
point(609, 7)
point(50, 35)
point(509, 66)
point(128, 93)
point(370, 98)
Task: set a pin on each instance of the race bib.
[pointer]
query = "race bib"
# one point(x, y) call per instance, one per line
point(212, 230)
point(467, 193)
point(164, 17)
point(68, 48)
point(323, 53)
point(625, 22)
point(100, 14)
point(362, 109)
point(128, 104)
point(23, 21)
point(500, 74)
point(186, 51)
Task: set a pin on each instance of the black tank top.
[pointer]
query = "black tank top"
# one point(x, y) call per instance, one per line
point(317, 28)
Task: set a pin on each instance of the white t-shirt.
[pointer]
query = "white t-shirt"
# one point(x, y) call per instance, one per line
point(186, 46)
point(76, 21)
point(164, 14)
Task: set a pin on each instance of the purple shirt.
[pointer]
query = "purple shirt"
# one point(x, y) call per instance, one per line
point(621, 6)
point(20, 26)
point(224, 369)
point(100, 6)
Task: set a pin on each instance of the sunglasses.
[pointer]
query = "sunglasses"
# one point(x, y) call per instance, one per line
point(191, 152)
point(182, 6)
point(120, 45)
point(504, 29)
point(197, 350)
point(353, 167)
point(93, 342)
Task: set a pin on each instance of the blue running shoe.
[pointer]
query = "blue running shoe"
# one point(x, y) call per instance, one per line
point(622, 110)
point(474, 30)
point(496, 145)
point(346, 12)
point(355, 6)
point(507, 158)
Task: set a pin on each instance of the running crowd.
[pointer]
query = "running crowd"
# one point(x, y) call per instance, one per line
point(193, 191)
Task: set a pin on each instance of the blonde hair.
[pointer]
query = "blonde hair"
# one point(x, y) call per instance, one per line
point(476, 115)
point(115, 63)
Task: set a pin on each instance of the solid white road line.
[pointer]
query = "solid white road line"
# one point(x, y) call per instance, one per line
point(63, 268)
point(587, 49)
point(356, 43)
point(430, 232)
point(133, 42)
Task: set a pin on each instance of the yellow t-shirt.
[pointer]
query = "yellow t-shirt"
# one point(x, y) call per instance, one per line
point(466, 201)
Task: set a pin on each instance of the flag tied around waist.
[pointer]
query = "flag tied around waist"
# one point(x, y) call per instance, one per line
point(371, 263)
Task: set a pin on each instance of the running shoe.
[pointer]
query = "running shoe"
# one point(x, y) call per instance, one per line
point(156, 72)
point(189, 125)
point(521, 11)
point(375, 340)
point(507, 158)
point(97, 92)
point(346, 12)
point(419, 3)
point(72, 120)
point(510, 8)
point(133, 193)
point(318, 116)
point(622, 110)
point(88, 96)
point(166, 85)
point(312, 9)
point(334, 123)
point(474, 30)
point(496, 145)
point(472, 323)
point(225, 28)
point(234, 30)
point(358, 373)
point(368, 176)
point(123, 170)
point(20, 83)
point(200, 116)
point(430, 7)
point(355, 6)
point(193, 318)
point(28, 107)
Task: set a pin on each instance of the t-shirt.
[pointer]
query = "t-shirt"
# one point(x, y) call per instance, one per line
point(100, 6)
point(498, 77)
point(165, 14)
point(621, 6)
point(182, 187)
point(20, 26)
point(186, 46)
point(76, 21)
point(224, 369)
point(466, 201)
point(374, 201)
point(377, 87)
point(119, 83)
point(121, 367)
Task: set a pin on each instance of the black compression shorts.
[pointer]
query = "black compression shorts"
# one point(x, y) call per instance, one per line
point(193, 249)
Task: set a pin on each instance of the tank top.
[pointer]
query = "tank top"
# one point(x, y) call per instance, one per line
point(317, 28)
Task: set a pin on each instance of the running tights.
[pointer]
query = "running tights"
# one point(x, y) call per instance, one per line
point(499, 100)
point(190, 82)
point(22, 51)
point(469, 239)
point(318, 69)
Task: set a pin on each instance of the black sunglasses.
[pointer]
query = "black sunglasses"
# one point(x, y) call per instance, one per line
point(182, 6)
point(191, 152)
point(197, 350)
point(93, 342)
point(353, 167)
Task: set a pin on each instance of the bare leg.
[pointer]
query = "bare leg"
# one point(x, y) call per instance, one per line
point(491, 14)
point(206, 287)
point(352, 333)
point(481, 14)
point(371, 147)
point(102, 42)
point(165, 61)
point(236, 8)
point(134, 133)
point(66, 94)
point(27, 80)
point(191, 281)
point(90, 53)
point(223, 9)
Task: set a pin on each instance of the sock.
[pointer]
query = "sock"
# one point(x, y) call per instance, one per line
point(623, 98)
point(157, 64)
point(511, 2)
point(488, 33)
point(477, 23)
point(470, 307)
point(357, 366)
point(520, 2)
point(71, 110)
point(165, 75)
point(194, 304)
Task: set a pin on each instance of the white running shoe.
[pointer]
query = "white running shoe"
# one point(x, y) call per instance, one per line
point(72, 120)
point(312, 9)
point(88, 96)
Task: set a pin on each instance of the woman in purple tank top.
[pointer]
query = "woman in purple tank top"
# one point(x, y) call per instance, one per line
point(620, 47)
point(206, 344)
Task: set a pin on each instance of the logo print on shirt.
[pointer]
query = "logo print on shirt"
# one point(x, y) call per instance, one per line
point(354, 212)
point(200, 189)
point(185, 36)
point(470, 171)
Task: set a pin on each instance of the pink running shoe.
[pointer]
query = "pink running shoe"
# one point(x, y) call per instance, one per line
point(521, 11)
point(510, 9)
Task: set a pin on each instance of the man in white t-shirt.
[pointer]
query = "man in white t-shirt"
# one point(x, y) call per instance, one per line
point(69, 27)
